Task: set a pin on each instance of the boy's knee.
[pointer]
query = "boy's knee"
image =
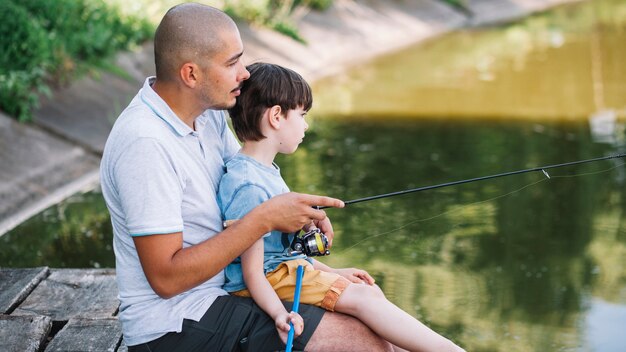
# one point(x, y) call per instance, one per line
point(357, 297)
point(368, 292)
point(378, 291)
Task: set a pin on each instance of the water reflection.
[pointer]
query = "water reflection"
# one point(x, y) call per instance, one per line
point(509, 264)
point(75, 233)
point(564, 64)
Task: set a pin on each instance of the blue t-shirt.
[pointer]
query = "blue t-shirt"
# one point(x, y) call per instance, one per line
point(246, 184)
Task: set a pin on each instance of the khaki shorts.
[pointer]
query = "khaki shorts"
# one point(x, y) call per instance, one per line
point(319, 288)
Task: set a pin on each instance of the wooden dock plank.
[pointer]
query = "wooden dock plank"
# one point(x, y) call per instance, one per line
point(23, 334)
point(16, 284)
point(73, 293)
point(87, 335)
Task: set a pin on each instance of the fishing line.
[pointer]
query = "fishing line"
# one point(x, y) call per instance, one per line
point(476, 203)
point(482, 178)
point(444, 213)
point(590, 173)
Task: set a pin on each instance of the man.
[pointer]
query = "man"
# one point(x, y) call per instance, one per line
point(159, 174)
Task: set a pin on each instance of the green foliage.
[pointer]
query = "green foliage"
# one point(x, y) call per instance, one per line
point(272, 13)
point(455, 2)
point(86, 29)
point(289, 30)
point(46, 42)
point(319, 5)
point(25, 54)
point(19, 92)
point(24, 42)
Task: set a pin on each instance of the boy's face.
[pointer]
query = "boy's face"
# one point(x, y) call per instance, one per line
point(293, 126)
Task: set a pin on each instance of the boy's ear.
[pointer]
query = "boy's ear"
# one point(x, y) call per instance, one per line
point(275, 113)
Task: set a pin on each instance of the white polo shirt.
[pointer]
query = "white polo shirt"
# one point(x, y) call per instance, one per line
point(159, 176)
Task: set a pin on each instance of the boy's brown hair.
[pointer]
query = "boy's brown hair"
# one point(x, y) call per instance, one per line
point(268, 85)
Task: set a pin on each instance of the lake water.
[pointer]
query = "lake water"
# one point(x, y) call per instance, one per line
point(519, 263)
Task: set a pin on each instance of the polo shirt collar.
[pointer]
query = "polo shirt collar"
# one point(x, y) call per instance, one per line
point(161, 109)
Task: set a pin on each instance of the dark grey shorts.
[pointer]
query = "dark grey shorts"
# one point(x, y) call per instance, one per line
point(233, 324)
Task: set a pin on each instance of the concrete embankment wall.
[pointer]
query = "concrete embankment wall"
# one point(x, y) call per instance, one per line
point(58, 154)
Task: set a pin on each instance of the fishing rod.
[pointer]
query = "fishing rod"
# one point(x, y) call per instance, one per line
point(447, 184)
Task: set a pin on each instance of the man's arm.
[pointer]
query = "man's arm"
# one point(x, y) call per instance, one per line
point(172, 269)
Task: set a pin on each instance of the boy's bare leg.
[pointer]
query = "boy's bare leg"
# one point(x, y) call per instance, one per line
point(369, 304)
point(340, 332)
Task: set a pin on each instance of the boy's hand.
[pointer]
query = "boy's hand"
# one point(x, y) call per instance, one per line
point(282, 324)
point(357, 276)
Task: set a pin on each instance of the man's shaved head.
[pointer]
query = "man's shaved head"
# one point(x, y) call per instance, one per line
point(189, 32)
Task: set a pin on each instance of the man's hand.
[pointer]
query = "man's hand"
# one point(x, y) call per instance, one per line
point(290, 212)
point(357, 276)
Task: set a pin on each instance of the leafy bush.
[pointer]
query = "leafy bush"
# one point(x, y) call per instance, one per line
point(95, 29)
point(24, 57)
point(50, 41)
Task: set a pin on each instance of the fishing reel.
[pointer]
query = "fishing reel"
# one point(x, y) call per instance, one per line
point(312, 243)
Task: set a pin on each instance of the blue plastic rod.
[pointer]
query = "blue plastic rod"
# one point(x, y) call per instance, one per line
point(296, 305)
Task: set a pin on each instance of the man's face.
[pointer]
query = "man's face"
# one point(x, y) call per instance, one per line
point(224, 74)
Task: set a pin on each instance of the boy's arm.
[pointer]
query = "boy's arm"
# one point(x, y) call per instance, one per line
point(263, 293)
point(257, 284)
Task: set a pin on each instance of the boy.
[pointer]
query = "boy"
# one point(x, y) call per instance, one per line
point(269, 118)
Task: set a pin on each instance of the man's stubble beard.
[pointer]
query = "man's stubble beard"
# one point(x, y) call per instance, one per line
point(210, 105)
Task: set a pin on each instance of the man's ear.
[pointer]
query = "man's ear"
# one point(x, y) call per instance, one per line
point(189, 74)
point(274, 115)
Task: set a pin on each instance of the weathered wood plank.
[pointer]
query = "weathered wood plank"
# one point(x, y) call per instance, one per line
point(87, 335)
point(16, 284)
point(23, 334)
point(73, 293)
